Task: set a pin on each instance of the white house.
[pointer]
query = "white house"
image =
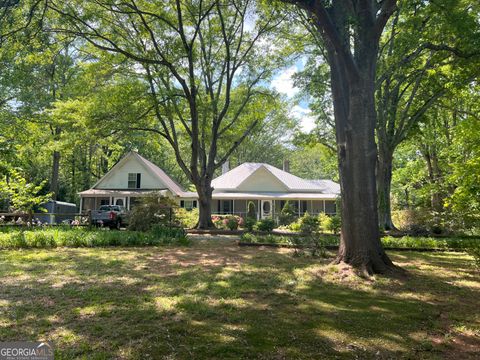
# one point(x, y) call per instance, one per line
point(266, 186)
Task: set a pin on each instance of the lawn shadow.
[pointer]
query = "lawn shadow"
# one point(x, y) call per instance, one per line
point(214, 302)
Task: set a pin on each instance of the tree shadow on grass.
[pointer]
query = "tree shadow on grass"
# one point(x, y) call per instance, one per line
point(212, 303)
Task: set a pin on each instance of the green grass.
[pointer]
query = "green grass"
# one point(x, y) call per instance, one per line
point(388, 241)
point(14, 238)
point(215, 300)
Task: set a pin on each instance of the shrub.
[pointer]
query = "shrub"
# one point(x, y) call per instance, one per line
point(251, 213)
point(151, 210)
point(250, 223)
point(231, 222)
point(474, 250)
point(266, 225)
point(308, 224)
point(295, 226)
point(287, 215)
point(170, 235)
point(187, 219)
point(313, 244)
point(329, 223)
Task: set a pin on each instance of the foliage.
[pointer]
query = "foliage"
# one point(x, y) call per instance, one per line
point(231, 222)
point(331, 223)
point(250, 223)
point(187, 218)
point(266, 225)
point(80, 237)
point(251, 212)
point(152, 210)
point(405, 242)
point(474, 251)
point(308, 223)
point(287, 215)
point(176, 235)
point(312, 244)
point(23, 196)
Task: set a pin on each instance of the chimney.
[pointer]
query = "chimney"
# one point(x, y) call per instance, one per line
point(286, 165)
point(225, 167)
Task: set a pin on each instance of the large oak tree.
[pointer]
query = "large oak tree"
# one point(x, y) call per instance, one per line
point(351, 32)
point(204, 63)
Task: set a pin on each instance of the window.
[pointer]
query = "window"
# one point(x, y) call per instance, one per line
point(134, 180)
point(226, 207)
point(188, 204)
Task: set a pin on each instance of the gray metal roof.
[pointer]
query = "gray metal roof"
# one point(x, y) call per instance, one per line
point(235, 177)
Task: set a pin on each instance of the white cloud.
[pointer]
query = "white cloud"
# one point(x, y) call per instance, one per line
point(307, 120)
point(283, 83)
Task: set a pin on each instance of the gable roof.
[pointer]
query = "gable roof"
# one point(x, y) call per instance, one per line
point(232, 179)
point(150, 167)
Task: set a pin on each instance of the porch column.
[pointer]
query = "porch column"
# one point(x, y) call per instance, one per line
point(299, 209)
point(324, 208)
point(233, 207)
point(81, 204)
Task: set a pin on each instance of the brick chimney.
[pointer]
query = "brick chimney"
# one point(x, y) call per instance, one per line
point(286, 165)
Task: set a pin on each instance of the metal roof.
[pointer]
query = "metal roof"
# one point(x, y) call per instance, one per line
point(235, 177)
point(272, 196)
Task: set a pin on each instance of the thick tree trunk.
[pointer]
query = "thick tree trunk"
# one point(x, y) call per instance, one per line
point(355, 121)
point(204, 190)
point(55, 174)
point(384, 184)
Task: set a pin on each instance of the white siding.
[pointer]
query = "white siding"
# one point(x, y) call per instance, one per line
point(118, 178)
point(262, 180)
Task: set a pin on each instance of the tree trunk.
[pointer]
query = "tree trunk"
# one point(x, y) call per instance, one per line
point(355, 121)
point(384, 184)
point(204, 190)
point(55, 174)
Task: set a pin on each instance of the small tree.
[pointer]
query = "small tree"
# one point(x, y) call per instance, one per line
point(287, 215)
point(152, 210)
point(23, 196)
point(251, 216)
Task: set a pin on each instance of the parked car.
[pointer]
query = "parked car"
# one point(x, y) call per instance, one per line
point(113, 216)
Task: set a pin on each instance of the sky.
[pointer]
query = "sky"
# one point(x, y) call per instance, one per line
point(283, 83)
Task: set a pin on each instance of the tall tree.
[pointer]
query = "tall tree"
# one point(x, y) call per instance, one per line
point(351, 32)
point(425, 55)
point(203, 62)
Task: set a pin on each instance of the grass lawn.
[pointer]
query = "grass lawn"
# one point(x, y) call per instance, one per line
point(215, 300)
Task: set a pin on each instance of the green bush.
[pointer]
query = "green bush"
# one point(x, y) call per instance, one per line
point(474, 250)
point(81, 237)
point(187, 219)
point(287, 215)
point(250, 223)
point(308, 224)
point(232, 222)
point(313, 245)
point(329, 223)
point(266, 225)
point(151, 210)
point(170, 234)
point(251, 213)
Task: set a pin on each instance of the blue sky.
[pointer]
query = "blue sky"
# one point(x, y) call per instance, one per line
point(283, 83)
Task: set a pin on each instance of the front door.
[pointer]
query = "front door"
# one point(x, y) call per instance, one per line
point(266, 209)
point(120, 201)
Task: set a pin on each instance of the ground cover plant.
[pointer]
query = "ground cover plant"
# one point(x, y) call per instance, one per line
point(14, 238)
point(216, 300)
point(409, 242)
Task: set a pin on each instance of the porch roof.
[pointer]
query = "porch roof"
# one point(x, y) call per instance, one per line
point(272, 196)
point(118, 193)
